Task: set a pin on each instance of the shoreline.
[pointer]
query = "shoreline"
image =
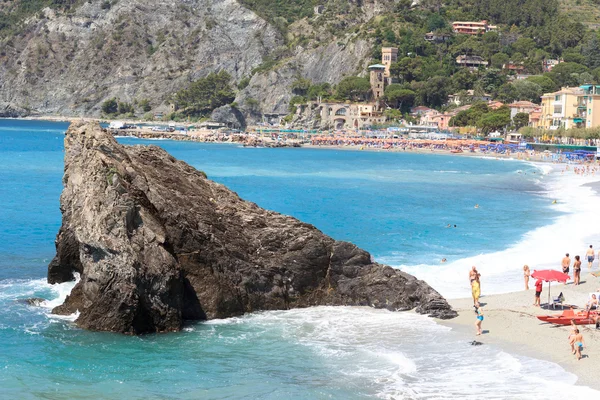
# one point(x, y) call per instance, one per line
point(207, 136)
point(510, 323)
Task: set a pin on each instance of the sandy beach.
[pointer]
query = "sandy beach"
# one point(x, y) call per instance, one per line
point(511, 324)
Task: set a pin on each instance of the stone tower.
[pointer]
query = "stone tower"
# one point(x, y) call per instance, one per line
point(377, 80)
point(389, 55)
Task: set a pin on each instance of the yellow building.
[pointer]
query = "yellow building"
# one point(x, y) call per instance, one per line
point(571, 107)
point(560, 109)
point(589, 106)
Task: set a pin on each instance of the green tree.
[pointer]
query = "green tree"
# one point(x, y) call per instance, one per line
point(110, 106)
point(567, 73)
point(145, 105)
point(407, 69)
point(206, 94)
point(463, 80)
point(507, 93)
point(527, 90)
point(591, 50)
point(494, 121)
point(400, 97)
point(322, 90)
point(300, 86)
point(546, 84)
point(520, 120)
point(125, 108)
point(499, 59)
point(353, 88)
point(434, 92)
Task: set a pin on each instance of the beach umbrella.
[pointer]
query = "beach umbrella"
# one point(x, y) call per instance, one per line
point(550, 275)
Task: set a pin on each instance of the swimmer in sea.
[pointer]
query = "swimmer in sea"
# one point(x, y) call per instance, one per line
point(443, 260)
point(476, 205)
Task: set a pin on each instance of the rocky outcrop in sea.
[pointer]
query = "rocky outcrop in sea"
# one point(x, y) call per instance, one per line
point(156, 243)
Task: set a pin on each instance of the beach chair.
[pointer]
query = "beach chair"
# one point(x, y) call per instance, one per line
point(558, 300)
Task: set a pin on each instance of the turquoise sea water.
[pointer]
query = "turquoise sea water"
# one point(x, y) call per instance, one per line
point(395, 205)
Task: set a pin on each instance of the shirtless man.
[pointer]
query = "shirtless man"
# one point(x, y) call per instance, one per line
point(566, 263)
point(473, 274)
point(577, 342)
point(590, 256)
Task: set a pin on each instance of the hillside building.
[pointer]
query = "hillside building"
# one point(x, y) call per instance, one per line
point(468, 96)
point(523, 107)
point(472, 28)
point(471, 61)
point(548, 64)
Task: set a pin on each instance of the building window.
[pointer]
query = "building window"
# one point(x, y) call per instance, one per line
point(557, 98)
point(557, 109)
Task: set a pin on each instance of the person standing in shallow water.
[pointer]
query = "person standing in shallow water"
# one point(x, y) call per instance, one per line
point(526, 275)
point(576, 270)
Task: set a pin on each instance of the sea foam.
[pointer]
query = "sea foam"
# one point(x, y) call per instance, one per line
point(576, 227)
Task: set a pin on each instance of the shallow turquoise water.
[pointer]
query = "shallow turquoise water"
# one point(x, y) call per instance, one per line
point(394, 205)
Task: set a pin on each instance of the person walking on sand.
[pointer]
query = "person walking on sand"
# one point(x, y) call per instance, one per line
point(590, 257)
point(576, 270)
point(538, 292)
point(566, 263)
point(479, 312)
point(577, 342)
point(526, 275)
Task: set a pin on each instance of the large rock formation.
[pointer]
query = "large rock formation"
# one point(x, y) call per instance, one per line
point(157, 243)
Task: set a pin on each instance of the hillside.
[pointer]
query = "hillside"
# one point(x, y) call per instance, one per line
point(69, 57)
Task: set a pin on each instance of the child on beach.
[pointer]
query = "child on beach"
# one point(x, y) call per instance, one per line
point(538, 292)
point(577, 343)
point(479, 312)
point(526, 274)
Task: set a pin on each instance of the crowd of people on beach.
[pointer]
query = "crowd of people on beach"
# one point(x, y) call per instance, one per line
point(457, 146)
point(575, 338)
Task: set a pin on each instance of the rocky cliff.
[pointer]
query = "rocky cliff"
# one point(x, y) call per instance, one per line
point(68, 63)
point(157, 243)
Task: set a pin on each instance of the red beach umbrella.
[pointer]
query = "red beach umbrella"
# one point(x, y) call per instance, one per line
point(550, 275)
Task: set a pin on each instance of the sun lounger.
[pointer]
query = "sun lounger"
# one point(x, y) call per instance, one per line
point(558, 300)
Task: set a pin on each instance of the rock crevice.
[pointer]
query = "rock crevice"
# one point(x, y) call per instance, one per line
point(156, 243)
